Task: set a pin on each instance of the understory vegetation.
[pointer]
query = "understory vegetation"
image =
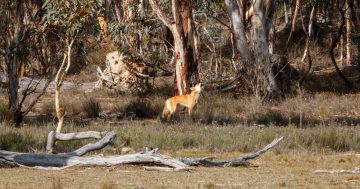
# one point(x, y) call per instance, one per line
point(221, 123)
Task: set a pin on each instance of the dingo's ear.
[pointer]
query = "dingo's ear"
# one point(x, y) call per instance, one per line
point(198, 87)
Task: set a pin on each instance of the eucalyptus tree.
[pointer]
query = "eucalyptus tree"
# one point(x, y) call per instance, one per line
point(67, 19)
point(22, 42)
point(186, 42)
point(254, 48)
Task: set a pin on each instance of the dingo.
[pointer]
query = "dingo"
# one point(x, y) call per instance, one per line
point(187, 100)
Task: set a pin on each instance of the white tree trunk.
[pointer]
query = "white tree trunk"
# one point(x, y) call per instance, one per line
point(60, 76)
point(341, 58)
point(348, 32)
point(236, 15)
point(261, 51)
point(309, 33)
point(286, 13)
point(142, 8)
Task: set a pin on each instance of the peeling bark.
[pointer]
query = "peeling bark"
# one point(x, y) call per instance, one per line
point(238, 27)
point(348, 32)
point(186, 42)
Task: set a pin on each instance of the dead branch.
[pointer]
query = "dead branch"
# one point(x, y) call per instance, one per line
point(241, 161)
point(107, 137)
point(104, 79)
point(46, 161)
point(49, 161)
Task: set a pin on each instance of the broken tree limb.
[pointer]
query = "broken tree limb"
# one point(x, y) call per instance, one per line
point(241, 161)
point(65, 160)
point(49, 161)
point(104, 79)
point(356, 170)
point(107, 137)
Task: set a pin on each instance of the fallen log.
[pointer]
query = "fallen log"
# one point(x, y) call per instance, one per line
point(241, 161)
point(60, 161)
point(107, 137)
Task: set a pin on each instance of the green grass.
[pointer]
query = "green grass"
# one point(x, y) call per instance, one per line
point(187, 135)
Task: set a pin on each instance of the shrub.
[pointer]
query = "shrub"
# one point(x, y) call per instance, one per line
point(3, 111)
point(17, 142)
point(141, 108)
point(91, 108)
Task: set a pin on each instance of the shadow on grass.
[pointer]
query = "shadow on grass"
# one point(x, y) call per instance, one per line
point(330, 81)
point(275, 118)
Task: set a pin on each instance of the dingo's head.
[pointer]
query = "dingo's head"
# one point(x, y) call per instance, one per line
point(197, 88)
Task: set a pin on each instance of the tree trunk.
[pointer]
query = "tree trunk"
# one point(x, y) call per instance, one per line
point(348, 32)
point(142, 8)
point(119, 11)
point(11, 42)
point(293, 22)
point(341, 58)
point(286, 13)
point(236, 14)
point(355, 7)
point(13, 86)
point(266, 84)
point(186, 44)
point(60, 76)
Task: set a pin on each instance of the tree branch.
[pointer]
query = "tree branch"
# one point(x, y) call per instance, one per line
point(333, 45)
point(154, 5)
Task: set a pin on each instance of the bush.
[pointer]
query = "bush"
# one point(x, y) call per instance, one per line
point(17, 142)
point(3, 111)
point(141, 108)
point(91, 108)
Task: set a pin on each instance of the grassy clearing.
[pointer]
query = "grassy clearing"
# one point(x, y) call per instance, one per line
point(213, 138)
point(221, 123)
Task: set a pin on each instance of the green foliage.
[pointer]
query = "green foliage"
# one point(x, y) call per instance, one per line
point(70, 14)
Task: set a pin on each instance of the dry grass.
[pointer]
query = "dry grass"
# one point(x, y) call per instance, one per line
point(287, 170)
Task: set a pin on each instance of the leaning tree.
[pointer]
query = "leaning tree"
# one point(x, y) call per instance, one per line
point(66, 18)
point(22, 43)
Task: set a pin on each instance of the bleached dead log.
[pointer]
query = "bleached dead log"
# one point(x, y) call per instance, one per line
point(356, 170)
point(65, 160)
point(49, 161)
point(104, 79)
point(241, 161)
point(107, 137)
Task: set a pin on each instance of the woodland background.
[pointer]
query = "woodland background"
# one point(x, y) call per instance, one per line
point(270, 68)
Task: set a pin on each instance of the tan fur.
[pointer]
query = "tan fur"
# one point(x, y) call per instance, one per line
point(188, 100)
